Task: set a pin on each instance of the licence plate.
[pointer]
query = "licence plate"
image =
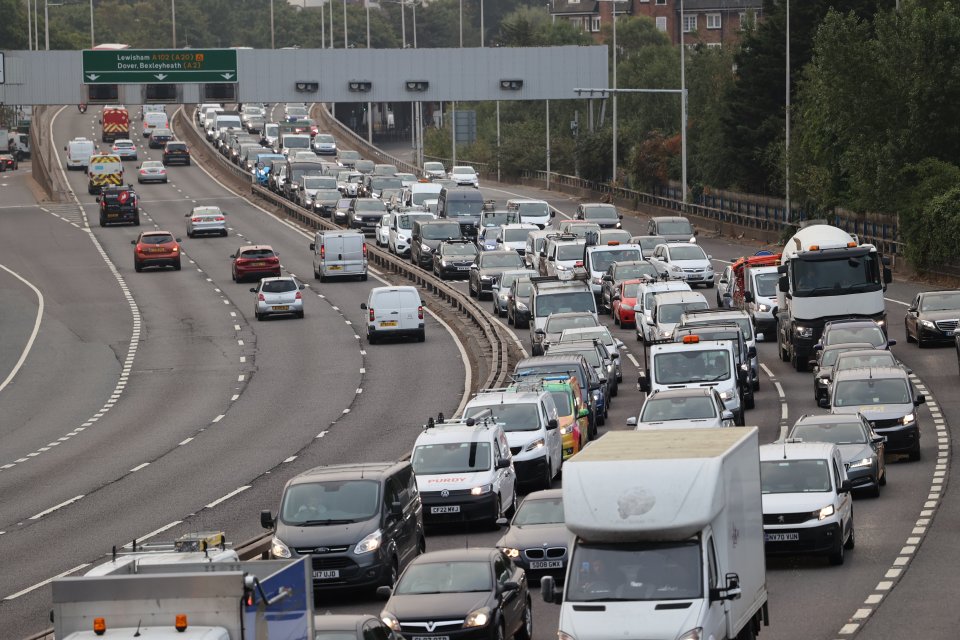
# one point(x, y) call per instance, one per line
point(281, 307)
point(430, 638)
point(388, 323)
point(547, 564)
point(948, 333)
point(259, 264)
point(338, 268)
point(329, 574)
point(463, 268)
point(454, 508)
point(781, 537)
point(157, 250)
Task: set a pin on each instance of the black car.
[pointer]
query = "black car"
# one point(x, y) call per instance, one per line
point(861, 448)
point(855, 330)
point(176, 152)
point(159, 138)
point(325, 202)
point(365, 213)
point(518, 299)
point(453, 258)
point(932, 317)
point(487, 268)
point(351, 627)
point(460, 594)
point(538, 539)
point(119, 204)
point(341, 211)
point(8, 161)
point(617, 273)
point(501, 289)
point(823, 368)
point(361, 524)
point(427, 235)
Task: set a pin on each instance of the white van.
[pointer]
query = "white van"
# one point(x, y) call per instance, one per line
point(394, 311)
point(536, 212)
point(154, 120)
point(294, 141)
point(464, 471)
point(536, 241)
point(79, 151)
point(339, 253)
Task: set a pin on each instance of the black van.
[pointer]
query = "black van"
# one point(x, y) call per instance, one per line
point(426, 236)
point(463, 204)
point(360, 523)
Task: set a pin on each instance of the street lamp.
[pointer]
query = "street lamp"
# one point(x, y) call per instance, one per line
point(613, 95)
point(683, 104)
point(93, 42)
point(173, 19)
point(273, 43)
point(786, 150)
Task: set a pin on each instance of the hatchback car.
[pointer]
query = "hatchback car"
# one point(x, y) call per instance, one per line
point(176, 152)
point(617, 273)
point(855, 330)
point(501, 289)
point(151, 171)
point(465, 176)
point(159, 138)
point(358, 626)
point(692, 408)
point(823, 368)
point(255, 261)
point(932, 317)
point(861, 449)
point(463, 594)
point(325, 144)
point(538, 538)
point(518, 303)
point(624, 301)
point(278, 296)
point(206, 220)
point(672, 228)
point(126, 149)
point(156, 249)
point(487, 268)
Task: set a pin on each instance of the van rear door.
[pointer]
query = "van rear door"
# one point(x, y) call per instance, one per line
point(409, 302)
point(351, 253)
point(385, 307)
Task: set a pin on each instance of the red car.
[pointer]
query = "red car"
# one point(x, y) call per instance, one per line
point(624, 300)
point(156, 249)
point(255, 261)
point(8, 162)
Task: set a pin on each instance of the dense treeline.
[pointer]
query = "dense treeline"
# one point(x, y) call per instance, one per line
point(875, 88)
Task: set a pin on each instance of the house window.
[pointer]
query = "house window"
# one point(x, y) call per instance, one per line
point(595, 24)
point(689, 23)
point(661, 1)
point(662, 24)
point(713, 21)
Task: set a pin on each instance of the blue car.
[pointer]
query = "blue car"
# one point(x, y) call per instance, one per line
point(261, 170)
point(487, 238)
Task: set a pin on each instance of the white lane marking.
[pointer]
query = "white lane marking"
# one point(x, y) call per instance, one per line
point(56, 507)
point(14, 596)
point(780, 390)
point(33, 334)
point(900, 302)
point(153, 533)
point(140, 466)
point(783, 411)
point(633, 360)
point(228, 496)
point(218, 418)
point(766, 370)
point(290, 459)
point(187, 441)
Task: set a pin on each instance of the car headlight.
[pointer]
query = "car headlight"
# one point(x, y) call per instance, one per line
point(504, 296)
point(826, 512)
point(928, 324)
point(693, 634)
point(479, 491)
point(566, 430)
point(536, 444)
point(522, 307)
point(444, 263)
point(596, 394)
point(666, 333)
point(726, 395)
point(763, 307)
point(823, 381)
point(486, 278)
point(866, 462)
point(618, 226)
point(510, 552)
point(370, 543)
point(477, 618)
point(390, 620)
point(278, 549)
point(308, 202)
point(803, 332)
point(425, 247)
point(910, 418)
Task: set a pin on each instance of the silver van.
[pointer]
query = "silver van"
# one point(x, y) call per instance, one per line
point(339, 253)
point(394, 311)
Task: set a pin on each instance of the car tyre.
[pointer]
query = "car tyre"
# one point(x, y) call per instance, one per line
point(906, 330)
point(363, 278)
point(300, 315)
point(371, 339)
point(547, 480)
point(739, 419)
point(915, 453)
point(749, 401)
point(176, 266)
point(851, 539)
point(836, 556)
point(525, 632)
point(136, 221)
point(223, 234)
point(498, 633)
point(422, 336)
point(137, 266)
point(883, 478)
point(189, 234)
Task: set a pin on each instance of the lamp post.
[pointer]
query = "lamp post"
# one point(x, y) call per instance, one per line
point(786, 149)
point(613, 94)
point(414, 7)
point(273, 42)
point(173, 19)
point(367, 5)
point(683, 104)
point(30, 27)
point(344, 24)
point(461, 24)
point(46, 24)
point(93, 42)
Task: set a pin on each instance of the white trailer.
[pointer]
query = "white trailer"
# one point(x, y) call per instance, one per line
point(668, 532)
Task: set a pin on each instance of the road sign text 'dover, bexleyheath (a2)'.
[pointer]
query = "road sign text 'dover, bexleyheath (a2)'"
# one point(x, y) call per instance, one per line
point(159, 66)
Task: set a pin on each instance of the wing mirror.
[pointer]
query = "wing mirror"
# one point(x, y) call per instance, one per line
point(552, 423)
point(726, 414)
point(632, 421)
point(266, 519)
point(253, 289)
point(363, 305)
point(549, 592)
point(748, 296)
point(919, 400)
point(503, 463)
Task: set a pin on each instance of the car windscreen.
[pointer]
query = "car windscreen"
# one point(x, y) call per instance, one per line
point(687, 252)
point(636, 271)
point(325, 138)
point(591, 355)
point(327, 195)
point(675, 227)
point(370, 204)
point(459, 249)
point(563, 302)
point(570, 252)
point(296, 142)
point(874, 391)
point(539, 511)
point(445, 577)
point(514, 416)
point(563, 402)
point(534, 371)
point(940, 301)
point(441, 231)
point(839, 433)
point(420, 197)
point(589, 333)
point(500, 260)
point(297, 172)
point(507, 279)
point(671, 312)
point(534, 209)
point(320, 182)
point(405, 220)
point(635, 572)
point(497, 218)
point(630, 289)
point(433, 166)
point(524, 288)
point(866, 360)
point(681, 408)
point(581, 230)
point(271, 130)
point(836, 276)
point(330, 502)
point(452, 457)
point(767, 284)
point(601, 260)
point(794, 476)
point(742, 321)
point(464, 171)
point(685, 366)
point(257, 253)
point(516, 235)
point(386, 182)
point(871, 334)
point(599, 213)
point(279, 286)
point(349, 154)
point(648, 243)
point(456, 207)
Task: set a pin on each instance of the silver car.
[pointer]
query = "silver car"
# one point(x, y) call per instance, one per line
point(683, 408)
point(206, 220)
point(278, 296)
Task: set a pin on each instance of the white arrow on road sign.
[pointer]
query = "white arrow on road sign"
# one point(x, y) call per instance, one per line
point(160, 76)
point(92, 76)
point(226, 76)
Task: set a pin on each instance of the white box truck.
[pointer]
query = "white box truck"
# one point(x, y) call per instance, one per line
point(668, 529)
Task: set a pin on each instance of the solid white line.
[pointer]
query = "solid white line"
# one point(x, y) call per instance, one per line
point(129, 545)
point(54, 508)
point(291, 459)
point(14, 596)
point(33, 334)
point(228, 496)
point(900, 302)
point(780, 390)
point(140, 466)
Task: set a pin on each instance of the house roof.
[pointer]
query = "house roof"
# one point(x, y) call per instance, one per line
point(720, 5)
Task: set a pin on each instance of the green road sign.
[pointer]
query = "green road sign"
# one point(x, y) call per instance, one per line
point(159, 66)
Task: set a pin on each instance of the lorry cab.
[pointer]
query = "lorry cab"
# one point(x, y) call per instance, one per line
point(339, 253)
point(697, 363)
point(464, 470)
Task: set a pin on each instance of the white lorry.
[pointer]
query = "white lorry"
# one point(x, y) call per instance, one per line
point(825, 274)
point(671, 547)
point(247, 600)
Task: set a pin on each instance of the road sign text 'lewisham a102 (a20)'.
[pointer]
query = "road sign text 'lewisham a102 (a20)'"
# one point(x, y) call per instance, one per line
point(159, 66)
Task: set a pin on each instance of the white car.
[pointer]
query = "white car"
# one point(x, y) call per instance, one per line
point(434, 170)
point(206, 220)
point(406, 179)
point(514, 236)
point(668, 309)
point(690, 408)
point(325, 144)
point(278, 296)
point(401, 231)
point(807, 506)
point(688, 261)
point(465, 176)
point(381, 234)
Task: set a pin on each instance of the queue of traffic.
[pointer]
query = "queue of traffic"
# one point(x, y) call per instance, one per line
point(693, 502)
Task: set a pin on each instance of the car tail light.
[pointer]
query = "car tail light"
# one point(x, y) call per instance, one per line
point(420, 312)
point(219, 219)
point(372, 316)
point(199, 219)
point(323, 252)
point(261, 298)
point(143, 171)
point(578, 263)
point(364, 249)
point(299, 296)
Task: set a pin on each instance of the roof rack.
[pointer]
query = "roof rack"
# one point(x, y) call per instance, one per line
point(707, 312)
point(575, 275)
point(483, 419)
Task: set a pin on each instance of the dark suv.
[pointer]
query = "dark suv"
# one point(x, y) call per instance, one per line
point(453, 258)
point(176, 152)
point(119, 204)
point(361, 524)
point(854, 330)
point(427, 235)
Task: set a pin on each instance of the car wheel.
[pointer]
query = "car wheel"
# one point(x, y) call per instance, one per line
point(102, 223)
point(189, 234)
point(875, 491)
point(915, 453)
point(547, 480)
point(372, 339)
point(176, 266)
point(739, 419)
point(393, 574)
point(711, 284)
point(525, 632)
point(223, 233)
point(233, 274)
point(906, 330)
point(136, 221)
point(498, 633)
point(749, 401)
point(470, 289)
point(883, 478)
point(422, 336)
point(497, 512)
point(836, 556)
point(137, 266)
point(852, 539)
point(363, 278)
point(258, 315)
point(920, 342)
point(300, 314)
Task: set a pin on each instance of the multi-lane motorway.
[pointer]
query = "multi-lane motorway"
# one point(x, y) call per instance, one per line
point(155, 401)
